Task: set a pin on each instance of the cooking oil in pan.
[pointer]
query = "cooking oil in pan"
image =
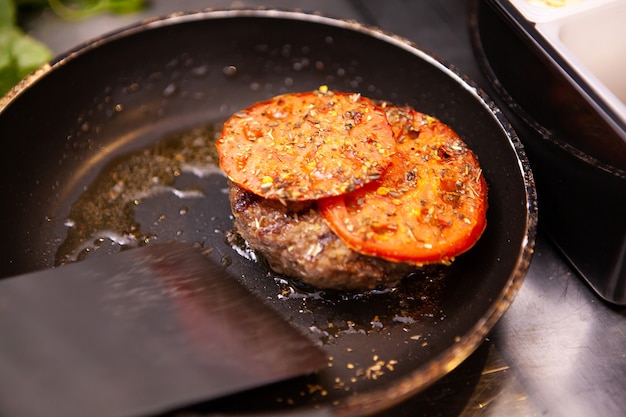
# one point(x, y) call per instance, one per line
point(107, 211)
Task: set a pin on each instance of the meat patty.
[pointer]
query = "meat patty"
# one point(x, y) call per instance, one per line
point(296, 242)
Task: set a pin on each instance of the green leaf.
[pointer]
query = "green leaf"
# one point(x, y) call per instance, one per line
point(29, 55)
point(8, 72)
point(80, 9)
point(7, 13)
point(20, 54)
point(125, 6)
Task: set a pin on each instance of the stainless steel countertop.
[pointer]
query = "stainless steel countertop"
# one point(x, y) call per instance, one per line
point(559, 350)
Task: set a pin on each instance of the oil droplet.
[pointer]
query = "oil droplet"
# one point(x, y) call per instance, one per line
point(230, 70)
point(134, 87)
point(226, 261)
point(202, 171)
point(286, 51)
point(170, 90)
point(164, 189)
point(201, 71)
point(403, 319)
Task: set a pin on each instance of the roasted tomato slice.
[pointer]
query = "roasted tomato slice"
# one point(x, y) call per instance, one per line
point(428, 207)
point(305, 146)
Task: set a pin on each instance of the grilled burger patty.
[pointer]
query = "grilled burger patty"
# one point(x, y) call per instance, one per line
point(340, 192)
point(295, 241)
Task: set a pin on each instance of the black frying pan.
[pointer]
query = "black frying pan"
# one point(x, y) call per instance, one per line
point(95, 111)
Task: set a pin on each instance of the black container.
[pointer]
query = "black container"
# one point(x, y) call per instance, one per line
point(575, 142)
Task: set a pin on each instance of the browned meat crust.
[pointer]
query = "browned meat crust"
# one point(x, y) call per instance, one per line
point(296, 242)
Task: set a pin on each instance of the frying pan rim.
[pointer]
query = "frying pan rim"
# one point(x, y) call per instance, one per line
point(425, 375)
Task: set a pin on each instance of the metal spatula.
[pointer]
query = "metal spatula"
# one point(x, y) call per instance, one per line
point(138, 333)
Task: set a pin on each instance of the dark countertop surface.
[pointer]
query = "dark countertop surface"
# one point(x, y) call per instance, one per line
point(559, 350)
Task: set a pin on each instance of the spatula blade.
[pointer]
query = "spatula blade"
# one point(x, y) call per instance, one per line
point(137, 333)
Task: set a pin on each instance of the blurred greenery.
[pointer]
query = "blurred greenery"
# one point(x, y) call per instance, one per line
point(20, 54)
point(80, 9)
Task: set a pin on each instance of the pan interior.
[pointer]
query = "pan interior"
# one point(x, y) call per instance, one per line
point(136, 114)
